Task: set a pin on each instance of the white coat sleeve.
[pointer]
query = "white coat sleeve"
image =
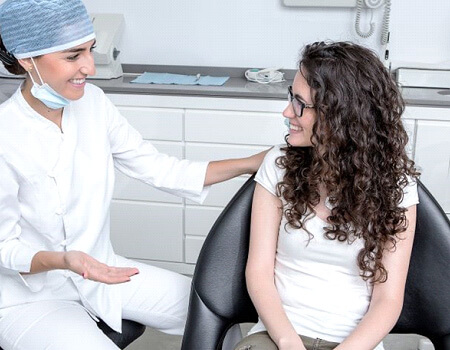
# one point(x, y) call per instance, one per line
point(139, 159)
point(15, 256)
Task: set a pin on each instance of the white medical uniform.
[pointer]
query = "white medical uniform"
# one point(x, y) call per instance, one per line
point(56, 187)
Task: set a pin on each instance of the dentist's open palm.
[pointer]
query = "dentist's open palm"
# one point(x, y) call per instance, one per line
point(92, 269)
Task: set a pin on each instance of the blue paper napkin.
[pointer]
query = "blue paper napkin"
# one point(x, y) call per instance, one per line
point(178, 79)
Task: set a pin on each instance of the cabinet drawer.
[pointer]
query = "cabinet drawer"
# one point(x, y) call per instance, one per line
point(199, 220)
point(193, 247)
point(221, 193)
point(147, 231)
point(132, 189)
point(206, 152)
point(433, 157)
point(235, 127)
point(155, 123)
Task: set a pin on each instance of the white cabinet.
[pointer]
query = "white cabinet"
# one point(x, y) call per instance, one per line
point(432, 150)
point(145, 230)
point(156, 123)
point(433, 156)
point(235, 127)
point(164, 230)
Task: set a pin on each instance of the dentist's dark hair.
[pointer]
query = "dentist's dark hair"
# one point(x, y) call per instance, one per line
point(11, 64)
point(358, 152)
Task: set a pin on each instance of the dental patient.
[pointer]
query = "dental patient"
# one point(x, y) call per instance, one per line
point(334, 209)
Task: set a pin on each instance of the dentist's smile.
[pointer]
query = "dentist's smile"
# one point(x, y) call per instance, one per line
point(78, 82)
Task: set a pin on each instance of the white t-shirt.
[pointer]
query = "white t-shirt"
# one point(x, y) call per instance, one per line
point(56, 189)
point(318, 280)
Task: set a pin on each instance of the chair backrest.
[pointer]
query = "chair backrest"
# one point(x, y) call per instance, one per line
point(426, 308)
point(219, 297)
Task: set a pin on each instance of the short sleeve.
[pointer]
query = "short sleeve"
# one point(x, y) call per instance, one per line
point(410, 195)
point(269, 174)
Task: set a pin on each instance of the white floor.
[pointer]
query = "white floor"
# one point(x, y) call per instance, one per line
point(154, 340)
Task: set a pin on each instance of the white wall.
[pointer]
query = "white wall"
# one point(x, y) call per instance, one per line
point(262, 33)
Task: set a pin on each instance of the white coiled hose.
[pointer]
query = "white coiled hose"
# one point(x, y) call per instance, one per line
point(372, 4)
point(359, 6)
point(386, 19)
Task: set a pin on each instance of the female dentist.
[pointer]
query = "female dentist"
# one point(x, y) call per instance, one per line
point(60, 139)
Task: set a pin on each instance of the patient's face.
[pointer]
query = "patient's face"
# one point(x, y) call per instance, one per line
point(300, 128)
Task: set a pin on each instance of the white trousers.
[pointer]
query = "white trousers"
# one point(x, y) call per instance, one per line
point(155, 297)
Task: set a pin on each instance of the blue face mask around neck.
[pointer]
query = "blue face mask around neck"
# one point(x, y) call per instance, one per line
point(46, 94)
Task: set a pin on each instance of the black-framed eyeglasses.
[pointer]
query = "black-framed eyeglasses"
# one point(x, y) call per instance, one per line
point(297, 105)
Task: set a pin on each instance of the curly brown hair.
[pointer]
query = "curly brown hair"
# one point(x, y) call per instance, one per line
point(358, 152)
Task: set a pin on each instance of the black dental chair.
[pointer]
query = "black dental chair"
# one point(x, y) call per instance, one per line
point(219, 297)
point(130, 332)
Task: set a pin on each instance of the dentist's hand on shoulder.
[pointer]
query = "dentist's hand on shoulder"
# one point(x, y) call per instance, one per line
point(256, 160)
point(222, 170)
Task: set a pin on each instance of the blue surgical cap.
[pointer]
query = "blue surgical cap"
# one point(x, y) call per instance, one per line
point(31, 28)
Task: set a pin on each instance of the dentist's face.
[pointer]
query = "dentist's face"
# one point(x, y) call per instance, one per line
point(66, 71)
point(300, 128)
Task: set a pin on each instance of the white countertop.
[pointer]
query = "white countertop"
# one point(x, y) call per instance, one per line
point(235, 88)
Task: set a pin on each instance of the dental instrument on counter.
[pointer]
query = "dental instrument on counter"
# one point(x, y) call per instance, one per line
point(265, 76)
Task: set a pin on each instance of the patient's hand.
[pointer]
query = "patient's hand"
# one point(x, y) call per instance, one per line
point(291, 343)
point(92, 269)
